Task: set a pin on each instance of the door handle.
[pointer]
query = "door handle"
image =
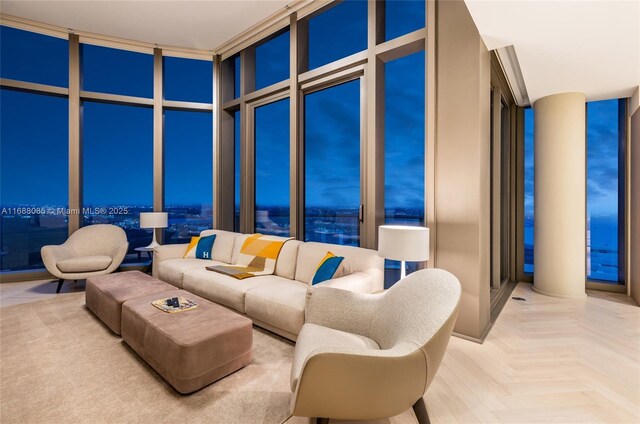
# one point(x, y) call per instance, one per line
point(361, 213)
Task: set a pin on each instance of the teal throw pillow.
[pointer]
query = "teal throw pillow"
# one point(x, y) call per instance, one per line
point(327, 268)
point(204, 248)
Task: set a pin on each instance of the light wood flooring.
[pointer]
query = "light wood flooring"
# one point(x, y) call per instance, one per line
point(545, 360)
point(32, 291)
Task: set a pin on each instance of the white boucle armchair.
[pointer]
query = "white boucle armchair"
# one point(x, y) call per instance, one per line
point(371, 356)
point(92, 250)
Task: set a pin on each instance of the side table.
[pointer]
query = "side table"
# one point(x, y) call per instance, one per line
point(149, 251)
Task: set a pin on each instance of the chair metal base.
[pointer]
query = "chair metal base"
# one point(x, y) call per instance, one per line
point(60, 282)
point(420, 409)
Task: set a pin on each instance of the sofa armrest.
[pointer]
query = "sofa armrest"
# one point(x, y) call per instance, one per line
point(327, 305)
point(166, 252)
point(357, 282)
point(169, 251)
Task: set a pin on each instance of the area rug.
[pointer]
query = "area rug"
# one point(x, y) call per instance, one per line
point(58, 363)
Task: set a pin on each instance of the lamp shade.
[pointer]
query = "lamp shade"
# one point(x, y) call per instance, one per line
point(403, 243)
point(153, 220)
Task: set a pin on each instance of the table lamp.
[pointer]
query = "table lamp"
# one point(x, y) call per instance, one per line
point(153, 220)
point(403, 243)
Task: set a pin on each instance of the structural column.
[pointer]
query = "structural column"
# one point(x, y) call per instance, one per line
point(560, 195)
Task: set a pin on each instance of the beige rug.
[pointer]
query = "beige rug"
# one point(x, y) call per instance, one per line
point(58, 363)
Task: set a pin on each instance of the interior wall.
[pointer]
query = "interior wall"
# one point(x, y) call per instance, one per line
point(462, 175)
point(634, 200)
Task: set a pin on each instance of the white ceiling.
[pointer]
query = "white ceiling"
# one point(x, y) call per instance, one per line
point(566, 45)
point(203, 24)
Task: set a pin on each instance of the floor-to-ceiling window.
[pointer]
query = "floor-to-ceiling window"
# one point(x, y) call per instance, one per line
point(118, 168)
point(34, 162)
point(605, 140)
point(271, 124)
point(114, 179)
point(34, 170)
point(188, 168)
point(188, 149)
point(404, 148)
point(502, 155)
point(330, 136)
point(528, 190)
point(332, 164)
point(605, 199)
point(237, 169)
point(117, 142)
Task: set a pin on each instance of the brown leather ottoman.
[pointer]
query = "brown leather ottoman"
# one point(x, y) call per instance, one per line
point(190, 349)
point(105, 294)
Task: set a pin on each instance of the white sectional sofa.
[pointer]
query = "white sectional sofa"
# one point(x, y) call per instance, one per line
point(275, 302)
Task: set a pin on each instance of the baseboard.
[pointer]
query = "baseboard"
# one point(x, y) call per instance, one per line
point(559, 296)
point(29, 275)
point(474, 339)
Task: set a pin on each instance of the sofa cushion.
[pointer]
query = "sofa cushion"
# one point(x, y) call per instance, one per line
point(223, 289)
point(355, 259)
point(172, 270)
point(286, 266)
point(223, 246)
point(279, 303)
point(315, 337)
point(85, 263)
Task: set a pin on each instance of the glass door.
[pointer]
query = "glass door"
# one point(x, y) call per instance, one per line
point(332, 134)
point(501, 201)
point(271, 168)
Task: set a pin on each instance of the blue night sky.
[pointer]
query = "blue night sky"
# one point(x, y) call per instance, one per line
point(528, 162)
point(118, 159)
point(337, 33)
point(404, 132)
point(33, 158)
point(602, 158)
point(188, 158)
point(272, 61)
point(272, 154)
point(332, 146)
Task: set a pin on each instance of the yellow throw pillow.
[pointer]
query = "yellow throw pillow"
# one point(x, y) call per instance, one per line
point(191, 249)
